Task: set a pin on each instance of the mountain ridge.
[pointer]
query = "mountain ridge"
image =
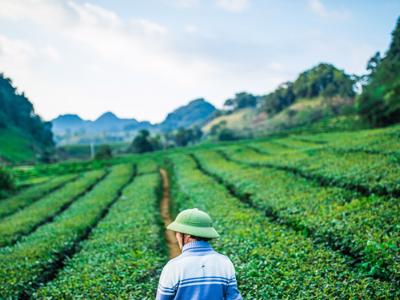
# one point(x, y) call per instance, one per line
point(194, 113)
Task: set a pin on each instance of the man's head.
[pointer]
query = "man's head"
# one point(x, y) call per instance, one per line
point(184, 239)
point(193, 225)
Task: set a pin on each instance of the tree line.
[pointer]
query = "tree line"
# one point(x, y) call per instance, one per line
point(377, 102)
point(17, 111)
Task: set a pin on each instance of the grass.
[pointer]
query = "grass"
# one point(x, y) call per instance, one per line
point(16, 147)
point(235, 120)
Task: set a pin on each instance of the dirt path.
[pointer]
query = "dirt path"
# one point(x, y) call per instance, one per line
point(172, 244)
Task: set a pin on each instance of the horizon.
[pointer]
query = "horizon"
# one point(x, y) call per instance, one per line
point(91, 57)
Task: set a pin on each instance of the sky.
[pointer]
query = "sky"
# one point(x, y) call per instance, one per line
point(142, 59)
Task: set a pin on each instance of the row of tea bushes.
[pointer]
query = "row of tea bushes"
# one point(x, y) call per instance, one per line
point(146, 165)
point(365, 226)
point(26, 220)
point(380, 141)
point(272, 261)
point(122, 257)
point(38, 256)
point(30, 194)
point(369, 173)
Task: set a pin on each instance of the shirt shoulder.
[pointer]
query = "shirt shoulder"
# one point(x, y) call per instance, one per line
point(225, 259)
point(169, 275)
point(178, 267)
point(174, 266)
point(173, 262)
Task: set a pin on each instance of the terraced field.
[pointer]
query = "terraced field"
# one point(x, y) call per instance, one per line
point(301, 217)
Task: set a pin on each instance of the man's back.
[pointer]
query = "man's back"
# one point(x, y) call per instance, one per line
point(198, 273)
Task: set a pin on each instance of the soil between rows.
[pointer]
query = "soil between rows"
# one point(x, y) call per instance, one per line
point(172, 244)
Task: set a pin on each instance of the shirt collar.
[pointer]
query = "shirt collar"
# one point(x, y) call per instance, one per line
point(197, 245)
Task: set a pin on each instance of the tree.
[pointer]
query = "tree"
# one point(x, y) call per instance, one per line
point(221, 132)
point(183, 137)
point(227, 134)
point(141, 143)
point(241, 100)
point(144, 142)
point(46, 156)
point(157, 142)
point(374, 62)
point(103, 152)
point(16, 111)
point(7, 182)
point(278, 100)
point(324, 80)
point(379, 102)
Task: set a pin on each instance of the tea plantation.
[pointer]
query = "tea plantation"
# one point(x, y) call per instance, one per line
point(301, 217)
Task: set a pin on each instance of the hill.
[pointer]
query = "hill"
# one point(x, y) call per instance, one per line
point(19, 146)
point(323, 94)
point(63, 123)
point(195, 113)
point(24, 137)
point(237, 120)
point(72, 129)
point(107, 122)
point(318, 93)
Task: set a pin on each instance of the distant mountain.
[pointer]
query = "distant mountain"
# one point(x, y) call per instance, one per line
point(67, 122)
point(71, 129)
point(107, 122)
point(196, 112)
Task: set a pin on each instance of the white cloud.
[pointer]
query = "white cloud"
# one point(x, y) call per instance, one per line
point(233, 5)
point(17, 53)
point(184, 3)
point(275, 66)
point(317, 7)
point(41, 12)
point(93, 15)
point(23, 63)
point(148, 27)
point(190, 29)
point(15, 49)
point(51, 53)
point(99, 62)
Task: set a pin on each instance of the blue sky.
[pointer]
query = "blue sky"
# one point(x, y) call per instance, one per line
point(142, 59)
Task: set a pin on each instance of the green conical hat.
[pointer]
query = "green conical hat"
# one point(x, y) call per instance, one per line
point(194, 222)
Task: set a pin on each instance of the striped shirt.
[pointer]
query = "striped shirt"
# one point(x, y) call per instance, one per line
point(198, 273)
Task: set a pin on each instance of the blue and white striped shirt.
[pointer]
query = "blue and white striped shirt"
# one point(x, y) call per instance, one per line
point(198, 273)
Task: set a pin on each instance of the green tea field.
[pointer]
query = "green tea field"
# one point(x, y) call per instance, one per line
point(301, 217)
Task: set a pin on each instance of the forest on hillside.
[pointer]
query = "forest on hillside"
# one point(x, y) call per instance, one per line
point(18, 118)
point(321, 98)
